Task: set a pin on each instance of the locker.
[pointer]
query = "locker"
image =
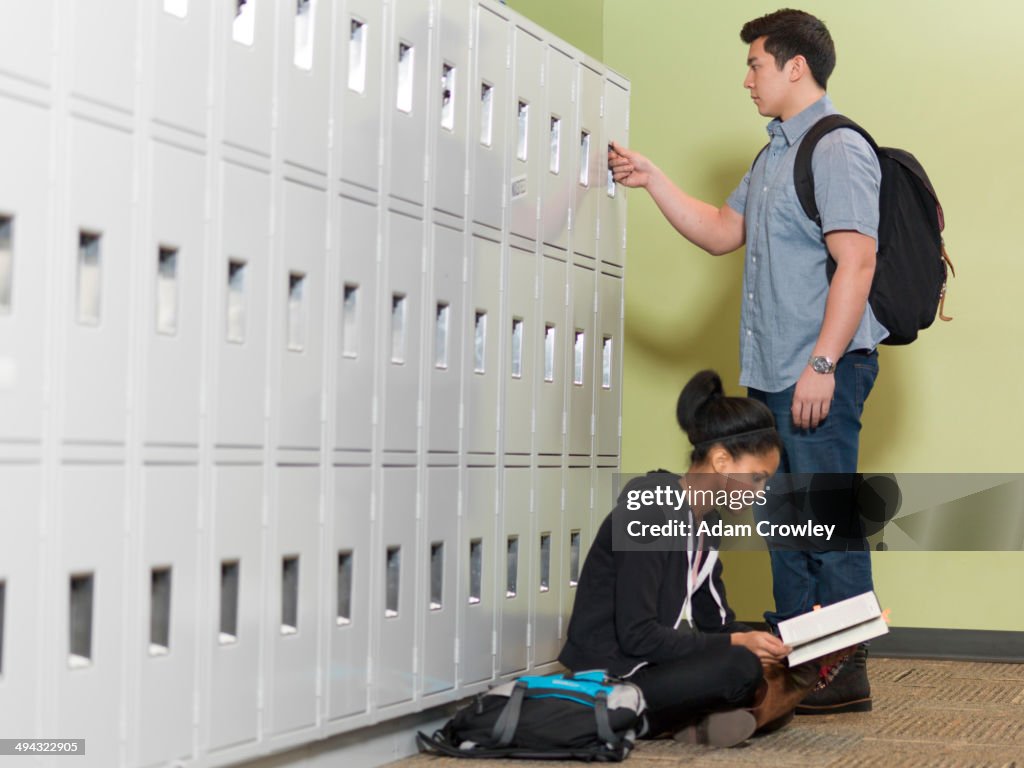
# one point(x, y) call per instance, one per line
point(394, 600)
point(606, 494)
point(515, 568)
point(477, 571)
point(590, 162)
point(527, 134)
point(449, 108)
point(523, 334)
point(239, 273)
point(612, 242)
point(234, 620)
point(406, 57)
point(90, 587)
point(20, 553)
point(179, 85)
point(483, 347)
point(576, 531)
point(245, 94)
point(299, 311)
point(305, 103)
point(27, 31)
point(103, 47)
point(547, 544)
point(402, 308)
point(165, 628)
point(349, 560)
point(358, 92)
point(559, 154)
point(95, 256)
point(582, 344)
point(172, 306)
point(608, 384)
point(293, 627)
point(25, 269)
point(446, 327)
point(354, 316)
point(552, 337)
point(488, 127)
point(439, 573)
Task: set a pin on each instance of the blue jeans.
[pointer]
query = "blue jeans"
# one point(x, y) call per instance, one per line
point(801, 579)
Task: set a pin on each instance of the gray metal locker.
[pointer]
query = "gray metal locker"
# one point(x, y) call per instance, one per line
point(608, 383)
point(235, 620)
point(179, 85)
point(243, 96)
point(358, 92)
point(553, 338)
point(489, 122)
point(26, 41)
point(590, 162)
point(484, 345)
point(349, 562)
point(104, 44)
point(240, 324)
point(355, 316)
point(445, 320)
point(523, 334)
point(515, 571)
point(560, 174)
point(612, 242)
point(528, 130)
point(548, 546)
point(172, 297)
point(577, 533)
point(394, 603)
point(307, 31)
point(582, 342)
point(438, 591)
point(165, 628)
point(406, 57)
point(478, 569)
point(449, 95)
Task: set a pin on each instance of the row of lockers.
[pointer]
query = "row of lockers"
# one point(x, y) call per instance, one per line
point(216, 632)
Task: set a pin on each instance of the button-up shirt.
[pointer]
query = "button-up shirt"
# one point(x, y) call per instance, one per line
point(784, 280)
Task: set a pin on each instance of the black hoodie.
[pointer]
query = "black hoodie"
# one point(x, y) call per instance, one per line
point(628, 602)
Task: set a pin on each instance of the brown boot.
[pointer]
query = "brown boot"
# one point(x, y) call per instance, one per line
point(849, 691)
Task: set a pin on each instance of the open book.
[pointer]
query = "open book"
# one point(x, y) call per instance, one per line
point(833, 628)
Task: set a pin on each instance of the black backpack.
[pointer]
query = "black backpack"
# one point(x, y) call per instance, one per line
point(589, 716)
point(909, 286)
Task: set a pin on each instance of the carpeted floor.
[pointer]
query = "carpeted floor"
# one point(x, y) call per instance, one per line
point(927, 714)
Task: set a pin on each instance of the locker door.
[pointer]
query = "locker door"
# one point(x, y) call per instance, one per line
point(407, 57)
point(358, 92)
point(235, 619)
point(449, 108)
point(590, 162)
point(179, 83)
point(548, 545)
point(240, 273)
point(438, 591)
point(527, 134)
point(613, 199)
point(350, 563)
point(577, 533)
point(299, 312)
point(488, 128)
point(515, 567)
point(25, 267)
point(22, 597)
point(402, 307)
point(165, 628)
point(559, 156)
point(306, 36)
point(444, 361)
point(355, 316)
point(246, 93)
point(484, 346)
point(395, 597)
point(479, 564)
point(553, 337)
point(104, 43)
point(609, 366)
point(522, 334)
point(89, 602)
point(172, 305)
point(293, 625)
point(581, 351)
point(96, 253)
point(27, 31)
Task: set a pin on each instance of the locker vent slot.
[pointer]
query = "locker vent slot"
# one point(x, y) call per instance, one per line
point(606, 363)
point(350, 321)
point(304, 12)
point(585, 159)
point(167, 291)
point(398, 322)
point(436, 575)
point(236, 301)
point(296, 311)
point(290, 595)
point(574, 558)
point(611, 178)
point(476, 570)
point(229, 584)
point(441, 327)
point(512, 567)
point(357, 56)
point(344, 615)
point(448, 96)
point(517, 348)
point(522, 143)
point(480, 343)
point(577, 352)
point(393, 581)
point(80, 620)
point(89, 278)
point(160, 611)
point(545, 562)
point(243, 27)
point(555, 161)
point(406, 73)
point(6, 264)
point(549, 352)
point(486, 114)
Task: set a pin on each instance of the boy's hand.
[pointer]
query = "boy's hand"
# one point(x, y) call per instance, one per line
point(630, 169)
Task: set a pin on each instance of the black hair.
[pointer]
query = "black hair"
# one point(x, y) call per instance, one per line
point(741, 425)
point(789, 33)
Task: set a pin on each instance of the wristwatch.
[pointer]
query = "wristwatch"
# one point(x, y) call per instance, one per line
point(821, 364)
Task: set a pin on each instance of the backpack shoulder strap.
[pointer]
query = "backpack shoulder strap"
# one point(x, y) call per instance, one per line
point(803, 175)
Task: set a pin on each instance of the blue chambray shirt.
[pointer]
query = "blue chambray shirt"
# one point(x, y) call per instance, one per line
point(784, 281)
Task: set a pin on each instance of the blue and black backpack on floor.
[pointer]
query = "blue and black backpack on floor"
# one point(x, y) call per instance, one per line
point(589, 716)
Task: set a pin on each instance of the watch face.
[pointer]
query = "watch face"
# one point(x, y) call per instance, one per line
point(821, 364)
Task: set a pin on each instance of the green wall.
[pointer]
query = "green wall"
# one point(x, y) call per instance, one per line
point(936, 77)
point(579, 22)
